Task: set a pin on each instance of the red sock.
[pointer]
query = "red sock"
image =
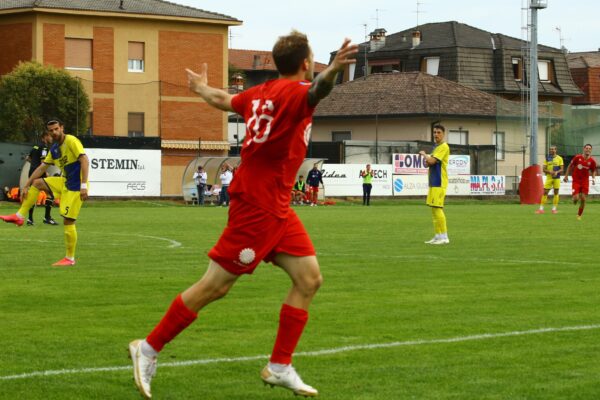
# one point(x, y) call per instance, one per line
point(177, 318)
point(580, 211)
point(291, 324)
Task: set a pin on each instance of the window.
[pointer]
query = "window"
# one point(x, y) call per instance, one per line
point(135, 124)
point(498, 141)
point(135, 61)
point(385, 68)
point(517, 69)
point(545, 71)
point(430, 65)
point(78, 53)
point(339, 136)
point(458, 137)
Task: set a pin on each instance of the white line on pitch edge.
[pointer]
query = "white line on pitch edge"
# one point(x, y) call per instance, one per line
point(417, 342)
point(420, 257)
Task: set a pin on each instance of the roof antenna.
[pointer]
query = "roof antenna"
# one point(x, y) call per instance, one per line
point(121, 7)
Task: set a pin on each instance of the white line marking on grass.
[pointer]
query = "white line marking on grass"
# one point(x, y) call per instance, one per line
point(151, 202)
point(344, 349)
point(174, 243)
point(432, 257)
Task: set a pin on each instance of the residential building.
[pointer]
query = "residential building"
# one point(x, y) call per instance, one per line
point(491, 62)
point(130, 56)
point(585, 69)
point(404, 106)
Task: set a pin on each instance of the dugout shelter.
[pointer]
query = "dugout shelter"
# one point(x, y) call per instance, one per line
point(212, 166)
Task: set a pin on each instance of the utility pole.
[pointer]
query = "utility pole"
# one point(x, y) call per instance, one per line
point(534, 6)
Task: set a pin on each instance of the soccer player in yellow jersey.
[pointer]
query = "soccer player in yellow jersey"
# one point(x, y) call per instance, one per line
point(437, 162)
point(68, 154)
point(553, 167)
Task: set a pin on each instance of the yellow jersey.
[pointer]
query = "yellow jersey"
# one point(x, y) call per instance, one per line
point(553, 164)
point(438, 172)
point(66, 157)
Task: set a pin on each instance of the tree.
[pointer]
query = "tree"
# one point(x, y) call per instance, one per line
point(32, 94)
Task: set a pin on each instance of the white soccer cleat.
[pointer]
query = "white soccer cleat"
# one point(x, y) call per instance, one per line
point(441, 241)
point(431, 240)
point(288, 380)
point(144, 368)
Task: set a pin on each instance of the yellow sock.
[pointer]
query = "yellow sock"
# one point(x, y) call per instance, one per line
point(70, 240)
point(29, 201)
point(555, 200)
point(544, 199)
point(441, 218)
point(435, 221)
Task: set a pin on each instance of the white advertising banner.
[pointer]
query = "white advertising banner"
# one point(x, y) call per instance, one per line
point(487, 185)
point(566, 187)
point(124, 172)
point(345, 179)
point(417, 185)
point(414, 164)
point(410, 185)
point(408, 164)
point(459, 185)
point(459, 164)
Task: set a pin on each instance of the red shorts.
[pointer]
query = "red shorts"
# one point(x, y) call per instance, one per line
point(253, 235)
point(314, 189)
point(580, 186)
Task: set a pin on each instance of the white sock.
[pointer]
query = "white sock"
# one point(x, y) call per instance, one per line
point(278, 368)
point(70, 258)
point(20, 216)
point(148, 350)
point(542, 208)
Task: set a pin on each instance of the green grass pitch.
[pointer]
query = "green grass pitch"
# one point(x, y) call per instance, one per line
point(509, 310)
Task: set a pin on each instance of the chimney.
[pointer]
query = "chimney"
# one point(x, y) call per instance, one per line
point(377, 39)
point(256, 61)
point(121, 6)
point(416, 38)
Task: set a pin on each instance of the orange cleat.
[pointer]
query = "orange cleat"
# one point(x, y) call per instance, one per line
point(539, 211)
point(13, 219)
point(65, 262)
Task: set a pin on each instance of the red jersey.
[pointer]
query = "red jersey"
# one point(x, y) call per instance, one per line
point(278, 122)
point(582, 167)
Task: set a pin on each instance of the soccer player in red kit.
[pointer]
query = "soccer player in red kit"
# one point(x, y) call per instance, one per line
point(581, 165)
point(261, 224)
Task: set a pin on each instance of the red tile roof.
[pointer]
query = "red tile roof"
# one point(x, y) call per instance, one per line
point(584, 59)
point(410, 94)
point(245, 60)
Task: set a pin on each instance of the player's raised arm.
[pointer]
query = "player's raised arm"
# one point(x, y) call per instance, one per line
point(323, 83)
point(198, 83)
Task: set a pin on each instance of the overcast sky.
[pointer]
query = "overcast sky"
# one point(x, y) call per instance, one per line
point(327, 22)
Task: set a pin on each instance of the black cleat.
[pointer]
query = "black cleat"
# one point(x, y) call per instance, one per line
point(50, 221)
point(29, 222)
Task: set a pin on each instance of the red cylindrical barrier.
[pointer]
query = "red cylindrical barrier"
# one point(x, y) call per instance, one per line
point(531, 187)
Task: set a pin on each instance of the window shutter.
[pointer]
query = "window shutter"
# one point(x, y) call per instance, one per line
point(78, 53)
point(136, 50)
